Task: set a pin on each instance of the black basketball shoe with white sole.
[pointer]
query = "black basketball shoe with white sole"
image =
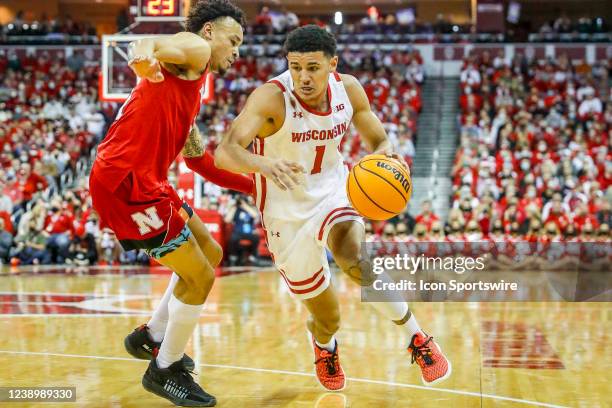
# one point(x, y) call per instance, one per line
point(141, 345)
point(176, 384)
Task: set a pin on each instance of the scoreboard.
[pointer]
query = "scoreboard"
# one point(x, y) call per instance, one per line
point(160, 10)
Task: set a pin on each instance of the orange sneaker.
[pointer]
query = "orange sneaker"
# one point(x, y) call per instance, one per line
point(328, 369)
point(435, 367)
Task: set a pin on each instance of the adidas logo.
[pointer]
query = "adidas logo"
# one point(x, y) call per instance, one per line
point(176, 390)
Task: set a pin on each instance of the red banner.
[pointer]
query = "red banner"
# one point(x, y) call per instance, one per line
point(603, 52)
point(214, 223)
point(574, 53)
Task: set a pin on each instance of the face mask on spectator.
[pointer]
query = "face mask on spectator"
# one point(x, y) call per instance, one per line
point(525, 165)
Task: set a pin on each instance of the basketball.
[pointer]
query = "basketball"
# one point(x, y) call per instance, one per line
point(379, 187)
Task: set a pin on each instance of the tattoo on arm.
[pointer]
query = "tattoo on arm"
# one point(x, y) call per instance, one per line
point(194, 147)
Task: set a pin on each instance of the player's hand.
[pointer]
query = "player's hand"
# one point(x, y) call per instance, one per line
point(284, 173)
point(399, 158)
point(146, 68)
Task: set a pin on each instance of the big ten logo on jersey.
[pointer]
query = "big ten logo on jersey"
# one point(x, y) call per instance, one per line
point(339, 108)
point(147, 221)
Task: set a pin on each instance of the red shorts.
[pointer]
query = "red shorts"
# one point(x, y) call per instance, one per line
point(140, 218)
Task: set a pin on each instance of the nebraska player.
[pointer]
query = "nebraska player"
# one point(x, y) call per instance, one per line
point(132, 195)
point(295, 123)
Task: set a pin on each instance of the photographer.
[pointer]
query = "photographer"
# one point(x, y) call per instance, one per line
point(244, 240)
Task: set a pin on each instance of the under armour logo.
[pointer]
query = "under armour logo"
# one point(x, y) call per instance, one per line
point(339, 108)
point(298, 114)
point(275, 234)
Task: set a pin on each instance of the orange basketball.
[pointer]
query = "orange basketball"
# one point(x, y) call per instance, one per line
point(379, 187)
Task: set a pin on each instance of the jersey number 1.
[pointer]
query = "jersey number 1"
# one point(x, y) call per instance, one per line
point(316, 168)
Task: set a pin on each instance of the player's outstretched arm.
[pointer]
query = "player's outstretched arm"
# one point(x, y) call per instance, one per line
point(264, 110)
point(202, 162)
point(366, 122)
point(186, 50)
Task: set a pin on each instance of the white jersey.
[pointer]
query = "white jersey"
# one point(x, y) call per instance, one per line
point(311, 139)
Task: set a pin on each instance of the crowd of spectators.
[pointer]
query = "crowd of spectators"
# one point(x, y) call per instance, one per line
point(535, 155)
point(271, 23)
point(581, 25)
point(50, 120)
point(52, 29)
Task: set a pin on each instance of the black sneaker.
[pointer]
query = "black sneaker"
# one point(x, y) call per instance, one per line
point(140, 344)
point(176, 384)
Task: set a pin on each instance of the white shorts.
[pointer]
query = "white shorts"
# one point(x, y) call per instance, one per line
point(298, 247)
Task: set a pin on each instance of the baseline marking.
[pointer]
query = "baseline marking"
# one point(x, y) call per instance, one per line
point(297, 373)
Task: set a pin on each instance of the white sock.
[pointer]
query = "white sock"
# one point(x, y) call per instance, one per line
point(329, 346)
point(412, 326)
point(159, 319)
point(181, 322)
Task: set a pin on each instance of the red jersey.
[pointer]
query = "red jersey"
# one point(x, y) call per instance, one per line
point(150, 131)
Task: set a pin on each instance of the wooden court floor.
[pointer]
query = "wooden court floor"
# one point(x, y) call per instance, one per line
point(251, 349)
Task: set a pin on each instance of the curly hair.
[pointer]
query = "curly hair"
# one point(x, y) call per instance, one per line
point(310, 38)
point(204, 11)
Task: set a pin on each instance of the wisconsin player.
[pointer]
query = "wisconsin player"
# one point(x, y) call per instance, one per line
point(295, 123)
point(131, 192)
